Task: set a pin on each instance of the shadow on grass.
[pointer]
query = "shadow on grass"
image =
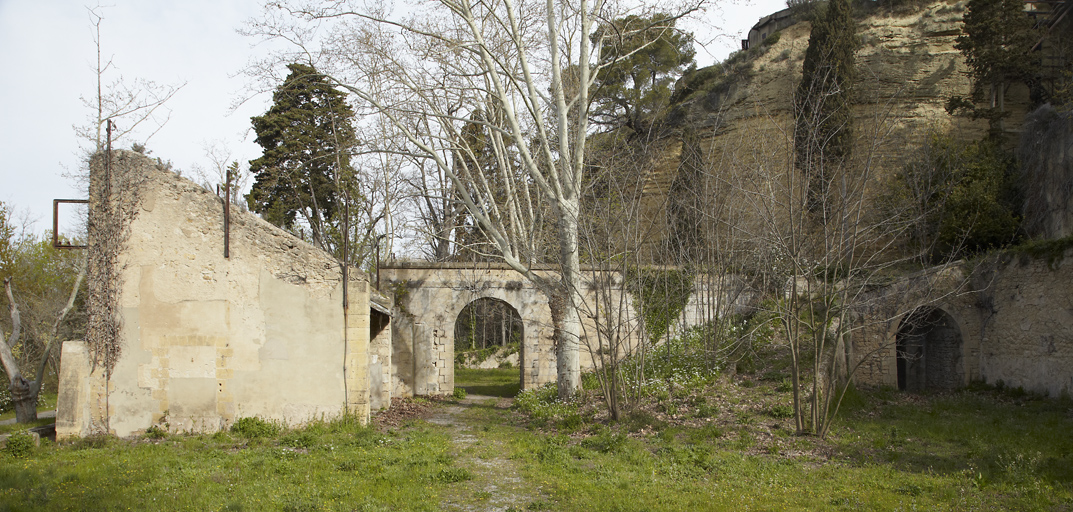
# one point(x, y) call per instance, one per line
point(500, 390)
point(997, 437)
point(500, 382)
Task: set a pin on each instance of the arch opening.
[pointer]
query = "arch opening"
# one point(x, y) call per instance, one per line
point(488, 341)
point(929, 346)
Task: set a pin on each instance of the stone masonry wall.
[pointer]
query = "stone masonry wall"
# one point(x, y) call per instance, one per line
point(1013, 311)
point(206, 339)
point(1025, 307)
point(429, 298)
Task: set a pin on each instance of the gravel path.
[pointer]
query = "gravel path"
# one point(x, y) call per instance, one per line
point(496, 484)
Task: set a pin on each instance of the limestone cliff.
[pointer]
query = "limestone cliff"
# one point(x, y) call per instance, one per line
point(908, 68)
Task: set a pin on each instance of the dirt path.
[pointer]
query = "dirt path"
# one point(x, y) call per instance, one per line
point(496, 484)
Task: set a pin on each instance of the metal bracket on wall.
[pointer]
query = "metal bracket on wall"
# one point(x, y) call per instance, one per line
point(56, 222)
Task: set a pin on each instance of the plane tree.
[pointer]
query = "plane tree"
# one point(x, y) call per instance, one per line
point(530, 67)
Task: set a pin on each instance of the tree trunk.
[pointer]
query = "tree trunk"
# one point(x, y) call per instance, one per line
point(25, 400)
point(569, 328)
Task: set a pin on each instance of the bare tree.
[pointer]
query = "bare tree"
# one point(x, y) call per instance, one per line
point(833, 256)
point(223, 169)
point(135, 104)
point(613, 234)
point(24, 393)
point(527, 66)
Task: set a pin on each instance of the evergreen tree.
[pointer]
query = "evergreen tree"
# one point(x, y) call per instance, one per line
point(641, 58)
point(823, 137)
point(997, 43)
point(306, 136)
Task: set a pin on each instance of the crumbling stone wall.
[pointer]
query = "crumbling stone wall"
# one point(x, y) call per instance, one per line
point(1025, 306)
point(1013, 311)
point(205, 339)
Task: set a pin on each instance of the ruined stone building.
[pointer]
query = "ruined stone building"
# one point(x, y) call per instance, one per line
point(202, 339)
point(185, 337)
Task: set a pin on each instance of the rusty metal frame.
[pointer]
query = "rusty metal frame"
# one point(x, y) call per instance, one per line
point(56, 222)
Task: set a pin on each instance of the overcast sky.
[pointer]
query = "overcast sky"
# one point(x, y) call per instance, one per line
point(47, 58)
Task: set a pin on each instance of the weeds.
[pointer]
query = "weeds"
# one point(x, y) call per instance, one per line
point(20, 444)
point(156, 432)
point(255, 428)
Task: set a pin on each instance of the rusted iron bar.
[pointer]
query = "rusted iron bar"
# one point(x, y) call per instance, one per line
point(56, 223)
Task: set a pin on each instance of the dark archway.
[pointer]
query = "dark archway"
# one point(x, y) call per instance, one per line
point(484, 328)
point(929, 347)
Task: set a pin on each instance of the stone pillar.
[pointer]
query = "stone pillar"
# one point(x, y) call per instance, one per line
point(72, 402)
point(380, 360)
point(357, 355)
point(82, 402)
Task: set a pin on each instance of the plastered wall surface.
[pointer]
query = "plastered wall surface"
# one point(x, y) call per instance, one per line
point(206, 339)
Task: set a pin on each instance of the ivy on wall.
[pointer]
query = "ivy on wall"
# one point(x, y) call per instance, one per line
point(115, 189)
point(659, 296)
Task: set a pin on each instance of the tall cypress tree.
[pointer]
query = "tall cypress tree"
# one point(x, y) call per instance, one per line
point(823, 137)
point(306, 136)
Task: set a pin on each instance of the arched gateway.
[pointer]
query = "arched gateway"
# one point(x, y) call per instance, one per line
point(429, 298)
point(929, 351)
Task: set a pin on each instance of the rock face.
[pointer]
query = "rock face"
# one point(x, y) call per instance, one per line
point(908, 69)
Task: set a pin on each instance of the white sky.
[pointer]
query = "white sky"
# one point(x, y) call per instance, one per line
point(47, 60)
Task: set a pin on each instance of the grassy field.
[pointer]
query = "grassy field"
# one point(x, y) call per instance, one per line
point(972, 450)
point(725, 446)
point(501, 382)
point(338, 465)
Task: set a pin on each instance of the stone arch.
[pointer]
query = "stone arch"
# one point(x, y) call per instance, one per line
point(515, 328)
point(530, 314)
point(929, 351)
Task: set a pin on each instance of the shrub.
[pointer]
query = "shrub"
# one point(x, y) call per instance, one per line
point(156, 432)
point(459, 393)
point(965, 195)
point(638, 420)
point(300, 439)
point(543, 404)
point(254, 428)
point(606, 441)
point(20, 444)
point(781, 411)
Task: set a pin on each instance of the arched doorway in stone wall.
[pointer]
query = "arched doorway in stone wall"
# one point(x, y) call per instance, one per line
point(929, 351)
point(489, 334)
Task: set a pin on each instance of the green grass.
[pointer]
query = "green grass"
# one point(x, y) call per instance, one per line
point(327, 466)
point(503, 382)
point(978, 449)
point(967, 451)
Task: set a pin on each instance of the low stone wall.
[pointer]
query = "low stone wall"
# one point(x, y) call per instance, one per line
point(1010, 315)
point(1025, 306)
point(205, 339)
